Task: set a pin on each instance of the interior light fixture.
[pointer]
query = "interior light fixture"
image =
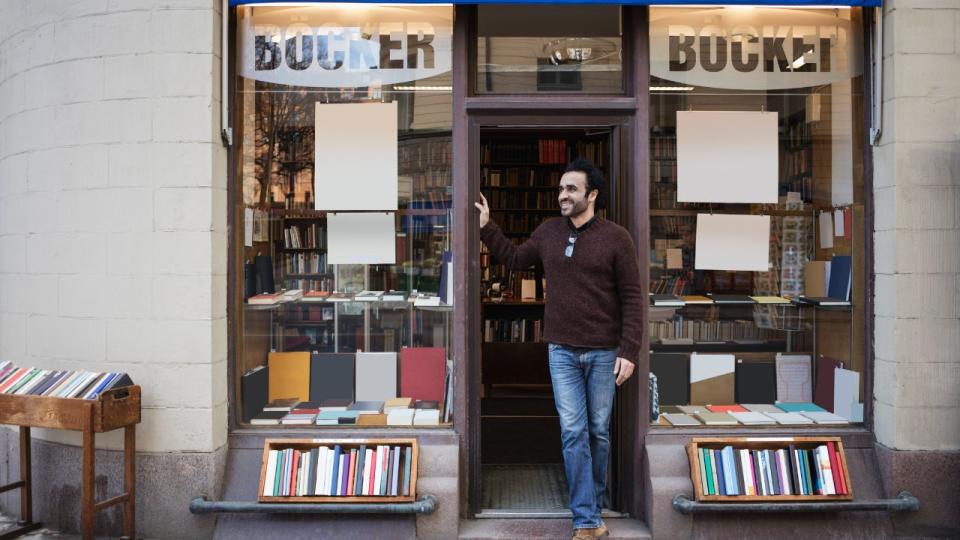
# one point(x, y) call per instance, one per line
point(671, 88)
point(415, 88)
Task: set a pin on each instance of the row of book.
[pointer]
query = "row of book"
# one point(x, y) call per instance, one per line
point(663, 147)
point(305, 236)
point(421, 153)
point(305, 263)
point(338, 471)
point(370, 378)
point(675, 300)
point(539, 151)
point(515, 222)
point(421, 299)
point(58, 383)
point(768, 472)
point(401, 411)
point(536, 200)
point(696, 330)
point(513, 330)
point(758, 414)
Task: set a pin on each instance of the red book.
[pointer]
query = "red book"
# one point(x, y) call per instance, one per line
point(847, 222)
point(293, 474)
point(725, 408)
point(837, 471)
point(353, 472)
point(373, 462)
point(422, 373)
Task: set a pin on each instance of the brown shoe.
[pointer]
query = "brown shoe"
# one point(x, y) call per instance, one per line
point(590, 534)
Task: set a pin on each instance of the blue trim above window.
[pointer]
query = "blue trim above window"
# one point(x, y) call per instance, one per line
point(785, 3)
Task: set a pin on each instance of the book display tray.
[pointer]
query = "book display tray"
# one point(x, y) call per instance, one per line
point(763, 443)
point(113, 409)
point(348, 444)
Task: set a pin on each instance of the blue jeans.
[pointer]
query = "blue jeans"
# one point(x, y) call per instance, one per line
point(583, 388)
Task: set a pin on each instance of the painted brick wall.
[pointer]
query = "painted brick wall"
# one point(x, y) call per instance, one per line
point(113, 205)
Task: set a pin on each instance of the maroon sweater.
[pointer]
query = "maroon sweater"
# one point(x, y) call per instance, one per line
point(594, 299)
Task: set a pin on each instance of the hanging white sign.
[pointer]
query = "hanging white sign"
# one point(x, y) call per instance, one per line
point(343, 46)
point(754, 48)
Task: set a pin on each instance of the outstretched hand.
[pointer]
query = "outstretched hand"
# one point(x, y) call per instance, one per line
point(623, 369)
point(484, 211)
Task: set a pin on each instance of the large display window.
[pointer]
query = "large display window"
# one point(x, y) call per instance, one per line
point(343, 209)
point(757, 228)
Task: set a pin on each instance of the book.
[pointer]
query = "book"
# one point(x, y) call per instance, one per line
point(368, 296)
point(254, 391)
point(824, 383)
point(291, 295)
point(398, 403)
point(794, 380)
point(315, 296)
point(824, 301)
point(281, 404)
point(335, 404)
point(731, 299)
point(725, 408)
point(692, 409)
point(426, 417)
point(422, 371)
point(407, 465)
point(268, 418)
point(400, 417)
point(846, 393)
point(696, 299)
point(666, 300)
point(265, 299)
point(426, 300)
point(840, 277)
point(426, 404)
point(761, 408)
point(750, 418)
point(681, 419)
point(823, 417)
point(790, 418)
point(756, 381)
point(673, 377)
point(296, 418)
point(366, 407)
point(332, 377)
point(340, 297)
point(815, 278)
point(289, 375)
point(376, 376)
point(798, 407)
point(711, 378)
point(716, 419)
point(394, 296)
point(372, 420)
point(770, 300)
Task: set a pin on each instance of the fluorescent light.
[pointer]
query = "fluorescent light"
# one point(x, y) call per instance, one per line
point(798, 63)
point(425, 88)
point(671, 88)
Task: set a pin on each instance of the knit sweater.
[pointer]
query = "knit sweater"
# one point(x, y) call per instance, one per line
point(594, 298)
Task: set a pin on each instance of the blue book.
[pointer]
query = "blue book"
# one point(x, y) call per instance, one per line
point(345, 477)
point(406, 471)
point(799, 407)
point(336, 468)
point(721, 480)
point(729, 471)
point(840, 277)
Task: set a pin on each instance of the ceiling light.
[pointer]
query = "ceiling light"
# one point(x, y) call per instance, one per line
point(424, 88)
point(671, 88)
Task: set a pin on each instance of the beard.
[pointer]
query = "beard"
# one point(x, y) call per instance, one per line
point(575, 208)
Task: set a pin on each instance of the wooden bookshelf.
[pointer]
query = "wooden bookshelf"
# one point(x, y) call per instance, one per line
point(113, 409)
point(348, 444)
point(764, 443)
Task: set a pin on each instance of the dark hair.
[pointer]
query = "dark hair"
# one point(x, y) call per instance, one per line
point(595, 179)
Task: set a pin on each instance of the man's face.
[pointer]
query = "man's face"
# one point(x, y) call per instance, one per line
point(573, 196)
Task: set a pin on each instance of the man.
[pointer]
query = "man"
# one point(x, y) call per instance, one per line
point(592, 322)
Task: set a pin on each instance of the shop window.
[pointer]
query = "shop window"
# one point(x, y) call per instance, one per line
point(343, 196)
point(527, 49)
point(757, 216)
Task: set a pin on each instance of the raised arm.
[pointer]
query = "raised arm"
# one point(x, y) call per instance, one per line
point(503, 250)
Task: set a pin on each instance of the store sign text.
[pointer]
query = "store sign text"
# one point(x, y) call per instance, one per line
point(762, 49)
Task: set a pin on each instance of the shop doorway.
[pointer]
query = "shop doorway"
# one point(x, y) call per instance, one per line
point(519, 461)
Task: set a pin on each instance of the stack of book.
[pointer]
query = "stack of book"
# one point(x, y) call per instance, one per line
point(749, 414)
point(58, 383)
point(403, 411)
point(339, 471)
point(790, 470)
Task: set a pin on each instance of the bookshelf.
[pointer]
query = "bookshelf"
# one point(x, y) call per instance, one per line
point(837, 458)
point(406, 464)
point(113, 409)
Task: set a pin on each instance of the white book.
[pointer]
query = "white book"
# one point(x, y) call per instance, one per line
point(747, 471)
point(83, 383)
point(784, 472)
point(328, 477)
point(368, 296)
point(378, 475)
point(271, 476)
point(65, 391)
point(426, 417)
point(826, 470)
point(33, 382)
point(321, 471)
point(376, 376)
point(400, 417)
point(366, 471)
point(790, 418)
point(823, 417)
point(339, 490)
point(751, 418)
point(396, 472)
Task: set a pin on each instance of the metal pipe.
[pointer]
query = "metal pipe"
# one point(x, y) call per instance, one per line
point(226, 131)
point(876, 119)
point(426, 504)
point(904, 502)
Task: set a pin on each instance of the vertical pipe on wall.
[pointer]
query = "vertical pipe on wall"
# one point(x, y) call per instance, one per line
point(226, 131)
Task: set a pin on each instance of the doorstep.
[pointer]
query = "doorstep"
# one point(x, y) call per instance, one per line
point(526, 529)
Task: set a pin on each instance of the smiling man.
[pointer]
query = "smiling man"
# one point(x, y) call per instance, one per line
point(592, 322)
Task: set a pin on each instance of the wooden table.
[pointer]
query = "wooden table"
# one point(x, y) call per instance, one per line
point(113, 409)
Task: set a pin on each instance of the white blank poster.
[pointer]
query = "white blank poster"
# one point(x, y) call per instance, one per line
point(727, 157)
point(356, 156)
point(361, 238)
point(732, 242)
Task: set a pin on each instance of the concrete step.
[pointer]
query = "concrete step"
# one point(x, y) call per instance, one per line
point(528, 529)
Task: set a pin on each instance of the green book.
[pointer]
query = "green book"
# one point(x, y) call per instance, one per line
point(276, 478)
point(711, 489)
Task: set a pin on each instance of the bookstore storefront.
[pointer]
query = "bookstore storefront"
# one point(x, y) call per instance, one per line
point(363, 305)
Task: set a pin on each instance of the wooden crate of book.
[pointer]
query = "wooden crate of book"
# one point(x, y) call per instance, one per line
point(111, 409)
point(769, 469)
point(339, 470)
